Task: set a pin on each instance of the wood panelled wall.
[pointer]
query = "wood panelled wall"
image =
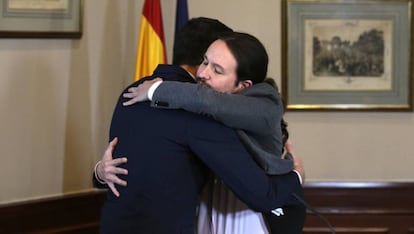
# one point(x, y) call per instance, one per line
point(349, 207)
point(361, 207)
point(77, 213)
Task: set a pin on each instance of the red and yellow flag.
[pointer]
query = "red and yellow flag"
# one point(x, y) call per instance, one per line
point(151, 44)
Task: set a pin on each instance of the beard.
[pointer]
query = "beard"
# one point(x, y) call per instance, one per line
point(202, 81)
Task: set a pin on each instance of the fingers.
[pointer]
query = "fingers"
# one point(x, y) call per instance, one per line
point(139, 93)
point(298, 166)
point(130, 93)
point(118, 181)
point(108, 169)
point(131, 101)
point(288, 146)
point(110, 175)
point(119, 170)
point(112, 178)
point(113, 189)
point(113, 142)
point(111, 166)
point(297, 161)
point(108, 152)
point(155, 80)
point(116, 162)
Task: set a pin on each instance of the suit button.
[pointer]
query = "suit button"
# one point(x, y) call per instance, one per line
point(161, 104)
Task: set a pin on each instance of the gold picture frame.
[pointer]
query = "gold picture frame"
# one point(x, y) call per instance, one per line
point(40, 19)
point(347, 55)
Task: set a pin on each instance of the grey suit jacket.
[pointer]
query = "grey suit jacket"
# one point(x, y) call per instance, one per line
point(256, 112)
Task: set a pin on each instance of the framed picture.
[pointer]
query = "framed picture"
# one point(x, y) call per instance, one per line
point(40, 18)
point(347, 55)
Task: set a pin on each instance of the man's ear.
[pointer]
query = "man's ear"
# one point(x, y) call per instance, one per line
point(244, 84)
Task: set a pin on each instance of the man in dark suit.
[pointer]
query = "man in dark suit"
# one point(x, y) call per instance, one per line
point(168, 154)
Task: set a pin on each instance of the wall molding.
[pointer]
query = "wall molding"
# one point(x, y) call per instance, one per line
point(361, 207)
point(372, 208)
point(74, 213)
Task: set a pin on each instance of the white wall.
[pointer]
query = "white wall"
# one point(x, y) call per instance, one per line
point(57, 97)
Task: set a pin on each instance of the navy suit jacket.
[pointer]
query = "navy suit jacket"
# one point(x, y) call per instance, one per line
point(170, 154)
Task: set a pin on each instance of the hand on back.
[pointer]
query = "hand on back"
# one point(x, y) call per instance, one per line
point(298, 164)
point(139, 93)
point(108, 168)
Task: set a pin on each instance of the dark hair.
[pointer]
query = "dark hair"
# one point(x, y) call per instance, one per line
point(250, 54)
point(192, 41)
point(285, 132)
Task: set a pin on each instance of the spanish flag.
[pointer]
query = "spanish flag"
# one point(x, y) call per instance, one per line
point(151, 43)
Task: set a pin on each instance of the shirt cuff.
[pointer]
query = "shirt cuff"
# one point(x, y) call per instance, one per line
point(300, 177)
point(152, 89)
